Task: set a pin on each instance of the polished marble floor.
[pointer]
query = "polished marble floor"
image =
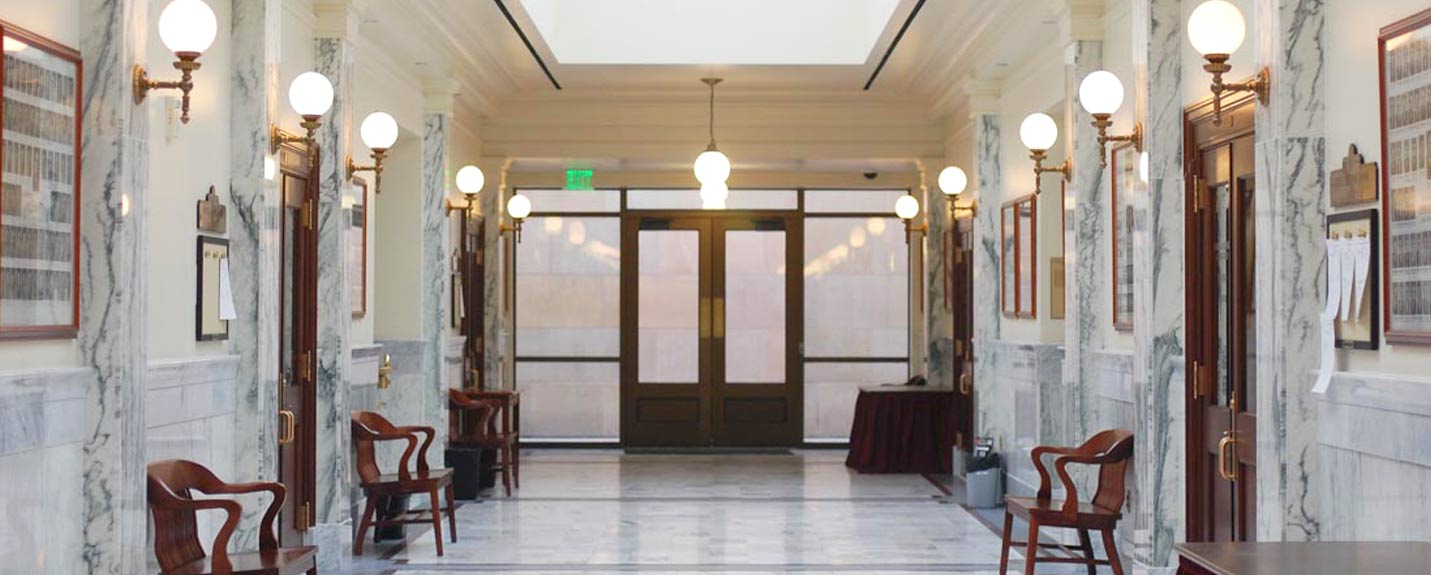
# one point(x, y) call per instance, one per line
point(608, 512)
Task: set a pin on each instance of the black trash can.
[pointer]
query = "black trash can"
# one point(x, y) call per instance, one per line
point(466, 465)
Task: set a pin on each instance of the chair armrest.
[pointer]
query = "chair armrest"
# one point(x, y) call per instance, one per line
point(267, 537)
point(1045, 489)
point(1070, 501)
point(426, 442)
point(220, 554)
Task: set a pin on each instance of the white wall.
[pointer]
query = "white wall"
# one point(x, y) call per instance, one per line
point(1118, 59)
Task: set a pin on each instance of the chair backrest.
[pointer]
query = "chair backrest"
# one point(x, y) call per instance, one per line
point(176, 535)
point(1117, 446)
point(468, 418)
point(367, 426)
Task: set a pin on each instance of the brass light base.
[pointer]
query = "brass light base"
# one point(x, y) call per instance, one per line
point(1038, 156)
point(277, 137)
point(910, 229)
point(1217, 65)
point(515, 228)
point(954, 208)
point(376, 168)
point(1102, 122)
point(468, 207)
point(186, 64)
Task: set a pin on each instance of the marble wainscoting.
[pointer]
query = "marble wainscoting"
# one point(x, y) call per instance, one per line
point(42, 420)
point(1376, 460)
point(403, 402)
point(1113, 383)
point(189, 411)
point(452, 375)
point(363, 396)
point(1024, 407)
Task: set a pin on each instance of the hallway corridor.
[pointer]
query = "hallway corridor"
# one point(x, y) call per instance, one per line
point(599, 512)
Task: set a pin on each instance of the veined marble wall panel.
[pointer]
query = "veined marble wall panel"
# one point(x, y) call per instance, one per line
point(42, 416)
point(1027, 402)
point(363, 396)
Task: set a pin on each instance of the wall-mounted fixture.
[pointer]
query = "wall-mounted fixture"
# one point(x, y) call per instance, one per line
point(712, 167)
point(518, 207)
point(187, 27)
point(385, 372)
point(907, 207)
point(1101, 95)
point(1039, 133)
point(310, 95)
point(379, 132)
point(713, 195)
point(470, 180)
point(1216, 30)
point(953, 181)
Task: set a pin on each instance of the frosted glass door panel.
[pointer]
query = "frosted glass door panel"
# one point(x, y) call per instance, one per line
point(668, 312)
point(754, 306)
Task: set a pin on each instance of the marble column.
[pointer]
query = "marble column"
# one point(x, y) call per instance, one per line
point(1158, 288)
point(1085, 267)
point(113, 285)
point(939, 319)
point(436, 260)
point(256, 28)
point(987, 188)
point(496, 308)
point(1291, 277)
point(333, 50)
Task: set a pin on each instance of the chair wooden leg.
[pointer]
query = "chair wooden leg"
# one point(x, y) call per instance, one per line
point(1004, 553)
point(516, 465)
point(451, 514)
point(313, 571)
point(364, 525)
point(436, 520)
point(1087, 544)
point(1112, 550)
point(1032, 551)
point(507, 468)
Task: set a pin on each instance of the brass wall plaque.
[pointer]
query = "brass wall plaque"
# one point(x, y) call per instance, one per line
point(1356, 182)
point(213, 216)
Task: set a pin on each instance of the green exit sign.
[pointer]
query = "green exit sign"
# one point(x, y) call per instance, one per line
point(578, 180)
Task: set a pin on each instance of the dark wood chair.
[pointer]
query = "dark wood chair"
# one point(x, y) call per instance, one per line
point(370, 428)
point(172, 485)
point(472, 424)
point(1110, 452)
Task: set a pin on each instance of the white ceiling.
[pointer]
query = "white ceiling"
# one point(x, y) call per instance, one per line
point(711, 32)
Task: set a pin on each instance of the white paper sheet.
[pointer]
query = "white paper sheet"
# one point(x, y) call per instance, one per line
point(1361, 250)
point(1348, 272)
point(1329, 315)
point(226, 293)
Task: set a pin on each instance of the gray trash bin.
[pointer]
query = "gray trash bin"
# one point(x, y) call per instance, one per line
point(984, 489)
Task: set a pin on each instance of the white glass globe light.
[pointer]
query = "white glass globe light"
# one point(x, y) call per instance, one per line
point(470, 180)
point(1101, 93)
point(310, 94)
point(714, 194)
point(1038, 131)
point(712, 167)
point(379, 131)
point(188, 26)
point(953, 180)
point(519, 207)
point(1216, 27)
point(906, 207)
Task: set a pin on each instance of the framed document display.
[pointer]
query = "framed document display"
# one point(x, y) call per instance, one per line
point(39, 187)
point(1125, 184)
point(1019, 224)
point(358, 249)
point(1404, 50)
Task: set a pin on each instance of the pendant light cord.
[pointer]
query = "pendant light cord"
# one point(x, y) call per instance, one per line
point(712, 83)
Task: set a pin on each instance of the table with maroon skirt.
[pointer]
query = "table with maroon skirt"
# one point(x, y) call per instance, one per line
point(902, 429)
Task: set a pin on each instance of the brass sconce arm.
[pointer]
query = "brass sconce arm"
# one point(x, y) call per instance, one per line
point(1217, 66)
point(1038, 156)
point(955, 208)
point(1102, 122)
point(515, 228)
point(468, 207)
point(384, 372)
point(376, 168)
point(186, 64)
point(277, 137)
point(910, 228)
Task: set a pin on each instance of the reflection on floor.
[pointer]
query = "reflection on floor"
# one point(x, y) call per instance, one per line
point(588, 511)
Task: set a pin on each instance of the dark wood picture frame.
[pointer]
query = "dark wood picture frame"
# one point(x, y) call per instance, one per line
point(1373, 279)
point(66, 91)
point(1120, 197)
point(1420, 22)
point(1013, 296)
point(202, 283)
point(358, 230)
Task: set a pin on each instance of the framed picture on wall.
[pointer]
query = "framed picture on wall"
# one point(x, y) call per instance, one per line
point(358, 249)
point(1404, 50)
point(214, 297)
point(1125, 183)
point(1019, 229)
point(39, 187)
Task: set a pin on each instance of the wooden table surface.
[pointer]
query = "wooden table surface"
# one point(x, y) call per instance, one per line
point(1324, 558)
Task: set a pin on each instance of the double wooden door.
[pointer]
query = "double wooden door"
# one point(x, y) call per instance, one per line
point(298, 332)
point(469, 296)
point(960, 291)
point(711, 329)
point(1222, 338)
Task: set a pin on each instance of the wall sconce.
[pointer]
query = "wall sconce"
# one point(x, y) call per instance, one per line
point(518, 207)
point(906, 207)
point(1039, 133)
point(310, 95)
point(1216, 30)
point(469, 181)
point(1101, 94)
point(953, 181)
point(379, 132)
point(385, 372)
point(187, 27)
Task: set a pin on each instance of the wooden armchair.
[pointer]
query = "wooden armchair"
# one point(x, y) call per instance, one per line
point(370, 428)
point(472, 425)
point(1110, 451)
point(172, 484)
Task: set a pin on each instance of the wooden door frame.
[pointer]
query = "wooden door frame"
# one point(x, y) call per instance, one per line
point(1238, 122)
point(472, 250)
point(305, 331)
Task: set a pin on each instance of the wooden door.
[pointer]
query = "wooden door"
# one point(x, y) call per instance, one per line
point(1221, 308)
point(298, 316)
point(960, 291)
point(471, 262)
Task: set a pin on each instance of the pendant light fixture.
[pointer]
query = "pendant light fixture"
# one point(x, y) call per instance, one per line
point(712, 167)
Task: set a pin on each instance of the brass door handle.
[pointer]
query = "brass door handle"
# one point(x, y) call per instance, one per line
point(1229, 439)
point(290, 425)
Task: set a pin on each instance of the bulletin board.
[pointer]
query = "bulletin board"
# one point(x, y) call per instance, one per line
point(1361, 328)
